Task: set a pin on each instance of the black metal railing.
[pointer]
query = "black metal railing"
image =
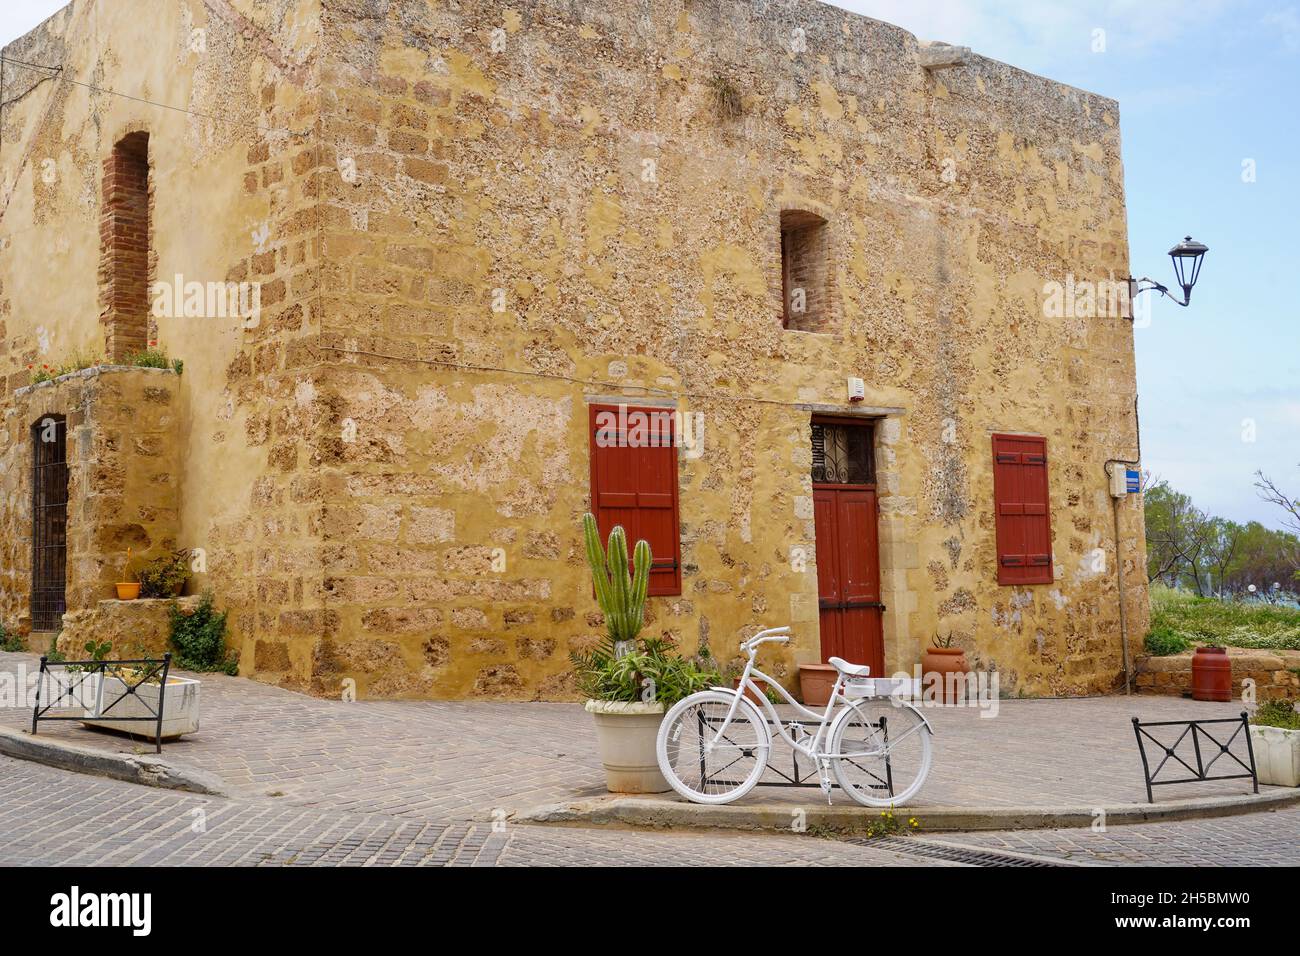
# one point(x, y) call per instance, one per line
point(1201, 772)
point(797, 777)
point(131, 674)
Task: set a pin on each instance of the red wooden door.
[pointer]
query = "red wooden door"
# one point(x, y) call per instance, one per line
point(848, 575)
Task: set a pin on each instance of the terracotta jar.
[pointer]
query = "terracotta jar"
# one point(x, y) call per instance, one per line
point(1211, 674)
point(816, 681)
point(936, 664)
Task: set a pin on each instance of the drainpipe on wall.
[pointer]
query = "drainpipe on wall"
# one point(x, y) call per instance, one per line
point(1118, 492)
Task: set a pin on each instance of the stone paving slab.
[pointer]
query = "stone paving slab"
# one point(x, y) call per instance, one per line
point(1257, 839)
point(461, 760)
point(52, 818)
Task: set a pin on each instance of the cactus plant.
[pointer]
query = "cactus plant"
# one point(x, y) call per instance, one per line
point(620, 593)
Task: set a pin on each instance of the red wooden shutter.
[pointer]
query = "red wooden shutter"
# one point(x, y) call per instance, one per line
point(634, 484)
point(1024, 531)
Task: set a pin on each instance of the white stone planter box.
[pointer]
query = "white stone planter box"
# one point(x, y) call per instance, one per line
point(1277, 755)
point(180, 707)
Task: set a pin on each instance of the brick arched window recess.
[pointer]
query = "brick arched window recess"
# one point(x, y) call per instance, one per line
point(49, 522)
point(124, 247)
point(805, 268)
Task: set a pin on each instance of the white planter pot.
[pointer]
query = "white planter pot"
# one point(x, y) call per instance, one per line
point(1277, 755)
point(180, 707)
point(626, 733)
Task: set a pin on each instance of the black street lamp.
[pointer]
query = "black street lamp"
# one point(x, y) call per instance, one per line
point(1187, 256)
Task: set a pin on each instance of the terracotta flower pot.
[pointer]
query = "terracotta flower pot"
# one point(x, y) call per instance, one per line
point(816, 681)
point(749, 691)
point(127, 590)
point(936, 664)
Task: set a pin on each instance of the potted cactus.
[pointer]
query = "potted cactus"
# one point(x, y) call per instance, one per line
point(630, 680)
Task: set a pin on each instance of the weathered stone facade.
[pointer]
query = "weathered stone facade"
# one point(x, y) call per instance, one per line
point(469, 221)
point(123, 453)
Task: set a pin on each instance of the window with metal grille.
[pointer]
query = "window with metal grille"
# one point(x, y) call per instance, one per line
point(842, 454)
point(49, 522)
point(1022, 511)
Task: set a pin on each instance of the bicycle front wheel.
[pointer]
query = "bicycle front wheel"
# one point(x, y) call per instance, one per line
point(884, 752)
point(704, 770)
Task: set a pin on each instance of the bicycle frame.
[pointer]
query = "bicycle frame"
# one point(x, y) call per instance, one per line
point(813, 748)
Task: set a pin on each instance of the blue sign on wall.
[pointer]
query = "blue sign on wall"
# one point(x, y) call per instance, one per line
point(1134, 480)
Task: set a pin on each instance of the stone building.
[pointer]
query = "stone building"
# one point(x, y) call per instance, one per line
point(446, 275)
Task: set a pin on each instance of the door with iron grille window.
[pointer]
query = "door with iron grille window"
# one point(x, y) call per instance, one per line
point(848, 549)
point(49, 522)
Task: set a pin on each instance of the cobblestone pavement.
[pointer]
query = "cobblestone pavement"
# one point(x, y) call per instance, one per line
point(1255, 839)
point(50, 817)
point(461, 760)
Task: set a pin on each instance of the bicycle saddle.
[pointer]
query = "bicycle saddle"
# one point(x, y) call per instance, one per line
point(847, 669)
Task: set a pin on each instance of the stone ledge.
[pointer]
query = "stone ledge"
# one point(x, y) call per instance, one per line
point(93, 372)
point(148, 769)
point(665, 812)
point(1276, 672)
point(135, 628)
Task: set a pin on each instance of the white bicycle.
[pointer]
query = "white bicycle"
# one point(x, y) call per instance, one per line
point(713, 746)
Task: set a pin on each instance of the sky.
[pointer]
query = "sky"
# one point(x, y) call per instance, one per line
point(1207, 92)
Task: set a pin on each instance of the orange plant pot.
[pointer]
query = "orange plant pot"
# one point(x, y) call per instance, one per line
point(816, 681)
point(127, 590)
point(749, 691)
point(937, 663)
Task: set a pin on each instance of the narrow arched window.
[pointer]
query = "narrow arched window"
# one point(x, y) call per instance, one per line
point(49, 522)
point(805, 268)
point(124, 247)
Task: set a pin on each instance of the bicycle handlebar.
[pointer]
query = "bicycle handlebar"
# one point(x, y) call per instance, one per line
point(779, 634)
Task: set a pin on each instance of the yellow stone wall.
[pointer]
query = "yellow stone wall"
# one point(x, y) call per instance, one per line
point(481, 216)
point(553, 205)
point(227, 91)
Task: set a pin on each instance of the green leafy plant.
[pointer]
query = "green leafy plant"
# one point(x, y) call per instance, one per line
point(942, 642)
point(199, 639)
point(651, 667)
point(1163, 640)
point(53, 654)
point(11, 642)
point(1225, 623)
point(165, 576)
point(1278, 712)
point(154, 357)
point(98, 650)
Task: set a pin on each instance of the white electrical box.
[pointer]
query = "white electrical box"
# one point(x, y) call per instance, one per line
point(1118, 480)
point(857, 390)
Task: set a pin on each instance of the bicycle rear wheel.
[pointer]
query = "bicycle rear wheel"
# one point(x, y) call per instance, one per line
point(707, 772)
point(885, 752)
